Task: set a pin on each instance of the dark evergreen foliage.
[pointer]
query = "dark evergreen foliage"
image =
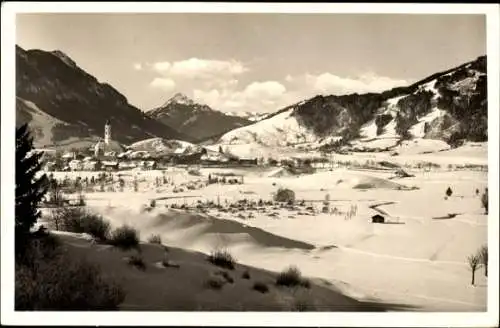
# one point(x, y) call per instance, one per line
point(30, 188)
point(381, 121)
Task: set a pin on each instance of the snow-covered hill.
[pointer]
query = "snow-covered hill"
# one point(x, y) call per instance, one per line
point(165, 146)
point(449, 107)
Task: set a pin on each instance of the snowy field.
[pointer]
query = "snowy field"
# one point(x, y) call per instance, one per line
point(417, 259)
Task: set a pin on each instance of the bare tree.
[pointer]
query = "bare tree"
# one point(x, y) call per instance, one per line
point(135, 184)
point(483, 258)
point(474, 261)
point(56, 218)
point(55, 192)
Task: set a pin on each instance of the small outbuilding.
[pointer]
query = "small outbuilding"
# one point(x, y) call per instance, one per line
point(377, 218)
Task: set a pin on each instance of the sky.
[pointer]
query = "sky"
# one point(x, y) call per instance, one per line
point(255, 62)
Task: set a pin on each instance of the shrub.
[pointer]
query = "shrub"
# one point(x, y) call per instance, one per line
point(305, 283)
point(96, 226)
point(125, 238)
point(260, 287)
point(291, 277)
point(222, 258)
point(58, 282)
point(154, 239)
point(226, 276)
point(215, 282)
point(302, 305)
point(78, 220)
point(245, 275)
point(484, 201)
point(137, 261)
point(284, 195)
point(167, 264)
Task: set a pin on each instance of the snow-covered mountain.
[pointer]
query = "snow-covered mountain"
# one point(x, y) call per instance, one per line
point(199, 121)
point(449, 106)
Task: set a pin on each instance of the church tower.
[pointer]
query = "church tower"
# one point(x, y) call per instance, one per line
point(107, 133)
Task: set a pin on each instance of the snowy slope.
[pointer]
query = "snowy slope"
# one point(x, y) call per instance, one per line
point(417, 111)
point(163, 145)
point(281, 130)
point(41, 123)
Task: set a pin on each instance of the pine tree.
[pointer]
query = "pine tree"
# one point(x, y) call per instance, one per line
point(29, 188)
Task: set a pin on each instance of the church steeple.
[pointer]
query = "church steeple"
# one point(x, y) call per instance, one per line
point(107, 132)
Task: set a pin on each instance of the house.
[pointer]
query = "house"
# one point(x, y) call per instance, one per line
point(91, 166)
point(126, 165)
point(150, 165)
point(247, 161)
point(110, 154)
point(110, 165)
point(68, 155)
point(377, 218)
point(75, 165)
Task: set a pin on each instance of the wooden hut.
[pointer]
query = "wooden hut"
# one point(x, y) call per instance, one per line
point(377, 218)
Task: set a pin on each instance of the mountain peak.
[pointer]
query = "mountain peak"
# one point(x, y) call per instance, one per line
point(65, 58)
point(179, 98)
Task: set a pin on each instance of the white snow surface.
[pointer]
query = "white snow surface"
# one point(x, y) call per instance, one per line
point(278, 131)
point(163, 145)
point(416, 261)
point(417, 130)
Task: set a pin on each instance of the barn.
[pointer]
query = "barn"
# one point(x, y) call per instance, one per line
point(377, 218)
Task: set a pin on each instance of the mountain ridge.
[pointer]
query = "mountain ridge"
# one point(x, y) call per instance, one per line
point(450, 105)
point(59, 87)
point(199, 121)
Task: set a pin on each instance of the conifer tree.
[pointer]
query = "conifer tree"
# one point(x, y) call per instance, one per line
point(30, 189)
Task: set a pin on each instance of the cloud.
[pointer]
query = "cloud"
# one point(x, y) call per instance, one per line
point(195, 68)
point(210, 98)
point(205, 68)
point(162, 67)
point(164, 84)
point(256, 96)
point(203, 74)
point(328, 83)
point(217, 84)
point(138, 66)
point(263, 90)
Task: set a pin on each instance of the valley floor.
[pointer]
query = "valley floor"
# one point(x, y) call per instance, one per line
point(418, 258)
